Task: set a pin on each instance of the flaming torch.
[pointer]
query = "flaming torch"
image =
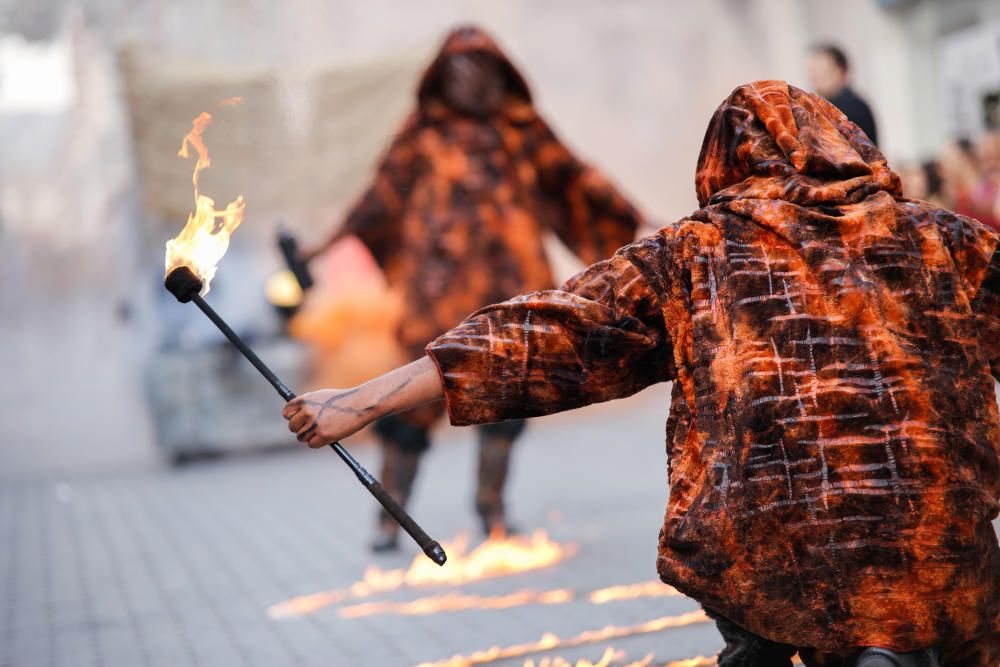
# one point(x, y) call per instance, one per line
point(190, 266)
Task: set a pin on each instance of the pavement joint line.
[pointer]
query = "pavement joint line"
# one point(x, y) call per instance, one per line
point(81, 561)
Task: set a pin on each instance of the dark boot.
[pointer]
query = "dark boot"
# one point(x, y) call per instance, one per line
point(399, 470)
point(494, 462)
point(745, 649)
point(881, 657)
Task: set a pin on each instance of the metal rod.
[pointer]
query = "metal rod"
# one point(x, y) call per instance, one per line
point(251, 356)
point(430, 547)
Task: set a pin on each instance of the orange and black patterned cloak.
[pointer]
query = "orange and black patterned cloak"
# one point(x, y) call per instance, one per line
point(457, 211)
point(833, 439)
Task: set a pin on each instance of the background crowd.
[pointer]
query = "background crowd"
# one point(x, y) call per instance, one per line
point(963, 177)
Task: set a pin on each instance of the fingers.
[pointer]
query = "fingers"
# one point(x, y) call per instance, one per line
point(305, 427)
point(292, 407)
point(306, 432)
point(312, 421)
point(299, 421)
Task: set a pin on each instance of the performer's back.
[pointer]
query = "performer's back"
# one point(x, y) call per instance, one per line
point(834, 439)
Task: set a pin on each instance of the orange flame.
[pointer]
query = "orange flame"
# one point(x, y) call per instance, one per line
point(610, 657)
point(698, 661)
point(610, 654)
point(205, 237)
point(498, 556)
point(648, 589)
point(550, 641)
point(454, 601)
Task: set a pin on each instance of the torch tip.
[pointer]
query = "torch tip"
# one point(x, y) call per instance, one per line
point(183, 283)
point(436, 553)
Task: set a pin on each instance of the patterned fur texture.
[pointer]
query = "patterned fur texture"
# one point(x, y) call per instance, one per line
point(833, 439)
point(459, 204)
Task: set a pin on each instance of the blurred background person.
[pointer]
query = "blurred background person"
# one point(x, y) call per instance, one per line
point(959, 175)
point(985, 195)
point(455, 218)
point(829, 73)
point(923, 181)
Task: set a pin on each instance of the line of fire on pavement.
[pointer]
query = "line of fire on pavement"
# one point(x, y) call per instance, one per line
point(498, 556)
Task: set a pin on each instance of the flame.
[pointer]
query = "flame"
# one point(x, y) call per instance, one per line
point(499, 556)
point(610, 657)
point(613, 658)
point(549, 641)
point(647, 589)
point(205, 237)
point(454, 601)
point(697, 661)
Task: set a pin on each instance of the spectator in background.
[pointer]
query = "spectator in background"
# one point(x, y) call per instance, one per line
point(959, 175)
point(829, 75)
point(923, 181)
point(985, 195)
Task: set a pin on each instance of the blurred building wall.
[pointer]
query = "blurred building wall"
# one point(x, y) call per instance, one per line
point(629, 84)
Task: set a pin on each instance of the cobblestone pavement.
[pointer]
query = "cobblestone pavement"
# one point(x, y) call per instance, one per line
point(179, 567)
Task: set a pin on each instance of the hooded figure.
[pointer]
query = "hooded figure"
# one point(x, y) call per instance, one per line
point(456, 217)
point(833, 438)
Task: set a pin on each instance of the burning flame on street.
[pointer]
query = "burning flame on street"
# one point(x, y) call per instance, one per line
point(205, 237)
point(454, 601)
point(647, 589)
point(549, 641)
point(699, 661)
point(611, 658)
point(498, 556)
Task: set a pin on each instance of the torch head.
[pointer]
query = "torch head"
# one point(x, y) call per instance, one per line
point(183, 283)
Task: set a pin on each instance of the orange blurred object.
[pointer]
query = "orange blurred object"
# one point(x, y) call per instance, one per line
point(349, 318)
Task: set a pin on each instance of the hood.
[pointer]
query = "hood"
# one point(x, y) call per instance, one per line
point(770, 140)
point(465, 40)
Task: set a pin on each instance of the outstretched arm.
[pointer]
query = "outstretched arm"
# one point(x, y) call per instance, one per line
point(602, 336)
point(590, 215)
point(325, 416)
point(376, 215)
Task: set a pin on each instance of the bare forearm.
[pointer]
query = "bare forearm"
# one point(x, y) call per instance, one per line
point(402, 389)
point(324, 416)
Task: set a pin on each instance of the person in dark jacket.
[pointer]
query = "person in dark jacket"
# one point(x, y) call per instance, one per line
point(830, 76)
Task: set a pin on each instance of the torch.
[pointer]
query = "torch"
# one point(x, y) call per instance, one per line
point(191, 264)
point(289, 247)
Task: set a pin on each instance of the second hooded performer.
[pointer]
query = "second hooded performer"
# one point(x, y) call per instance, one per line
point(455, 217)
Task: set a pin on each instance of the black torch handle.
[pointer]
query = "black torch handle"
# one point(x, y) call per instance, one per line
point(429, 546)
point(251, 356)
